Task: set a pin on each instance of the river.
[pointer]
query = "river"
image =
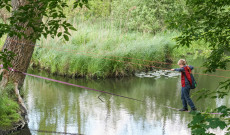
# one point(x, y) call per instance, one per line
point(56, 108)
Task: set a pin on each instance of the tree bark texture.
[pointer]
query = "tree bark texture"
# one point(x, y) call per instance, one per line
point(23, 48)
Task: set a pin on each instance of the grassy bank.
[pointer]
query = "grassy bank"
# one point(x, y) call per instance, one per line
point(8, 108)
point(99, 50)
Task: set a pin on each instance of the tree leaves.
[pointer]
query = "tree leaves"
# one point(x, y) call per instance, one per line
point(59, 34)
point(5, 3)
point(8, 8)
point(215, 123)
point(81, 3)
point(66, 37)
point(202, 122)
point(72, 28)
point(29, 16)
point(207, 21)
point(6, 57)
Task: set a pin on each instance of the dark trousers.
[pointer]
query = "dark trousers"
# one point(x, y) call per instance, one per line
point(185, 97)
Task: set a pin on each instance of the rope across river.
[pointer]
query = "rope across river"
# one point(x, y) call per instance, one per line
point(83, 87)
point(113, 94)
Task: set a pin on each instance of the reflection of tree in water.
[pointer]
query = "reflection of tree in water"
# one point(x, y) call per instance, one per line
point(58, 107)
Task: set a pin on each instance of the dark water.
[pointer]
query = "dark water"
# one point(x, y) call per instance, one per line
point(61, 108)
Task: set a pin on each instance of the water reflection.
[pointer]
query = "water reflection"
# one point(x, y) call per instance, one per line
point(61, 108)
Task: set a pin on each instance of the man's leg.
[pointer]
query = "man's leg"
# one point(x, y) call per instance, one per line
point(186, 93)
point(184, 102)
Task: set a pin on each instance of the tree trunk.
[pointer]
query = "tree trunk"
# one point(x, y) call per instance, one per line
point(22, 59)
point(23, 48)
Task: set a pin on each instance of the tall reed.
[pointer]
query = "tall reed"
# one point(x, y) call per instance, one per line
point(96, 49)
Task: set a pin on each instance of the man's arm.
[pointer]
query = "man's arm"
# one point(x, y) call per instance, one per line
point(178, 69)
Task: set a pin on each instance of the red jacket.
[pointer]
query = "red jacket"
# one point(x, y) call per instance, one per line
point(186, 70)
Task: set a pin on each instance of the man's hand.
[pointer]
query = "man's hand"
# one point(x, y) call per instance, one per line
point(172, 69)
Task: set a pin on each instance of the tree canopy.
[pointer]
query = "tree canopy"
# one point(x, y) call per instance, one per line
point(29, 16)
point(206, 20)
point(30, 13)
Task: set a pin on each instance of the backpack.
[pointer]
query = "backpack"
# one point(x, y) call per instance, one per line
point(190, 77)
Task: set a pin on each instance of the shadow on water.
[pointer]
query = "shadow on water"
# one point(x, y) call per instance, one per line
point(67, 109)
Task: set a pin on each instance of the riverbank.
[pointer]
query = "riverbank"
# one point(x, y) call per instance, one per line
point(11, 118)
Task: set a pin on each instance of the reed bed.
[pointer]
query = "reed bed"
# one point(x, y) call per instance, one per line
point(96, 49)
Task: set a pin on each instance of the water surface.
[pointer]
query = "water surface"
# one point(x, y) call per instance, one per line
point(57, 107)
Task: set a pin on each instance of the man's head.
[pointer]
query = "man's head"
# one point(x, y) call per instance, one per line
point(181, 62)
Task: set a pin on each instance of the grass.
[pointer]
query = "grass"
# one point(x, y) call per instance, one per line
point(97, 49)
point(8, 108)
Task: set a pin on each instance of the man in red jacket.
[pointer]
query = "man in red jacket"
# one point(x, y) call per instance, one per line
point(186, 85)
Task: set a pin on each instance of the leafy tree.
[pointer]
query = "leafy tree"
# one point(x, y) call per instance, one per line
point(145, 16)
point(207, 20)
point(31, 19)
point(98, 8)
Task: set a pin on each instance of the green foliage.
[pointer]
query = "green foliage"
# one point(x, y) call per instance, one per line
point(201, 127)
point(203, 122)
point(196, 50)
point(52, 10)
point(80, 3)
point(132, 15)
point(98, 8)
point(28, 17)
point(143, 16)
point(4, 3)
point(8, 108)
point(206, 20)
point(6, 57)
